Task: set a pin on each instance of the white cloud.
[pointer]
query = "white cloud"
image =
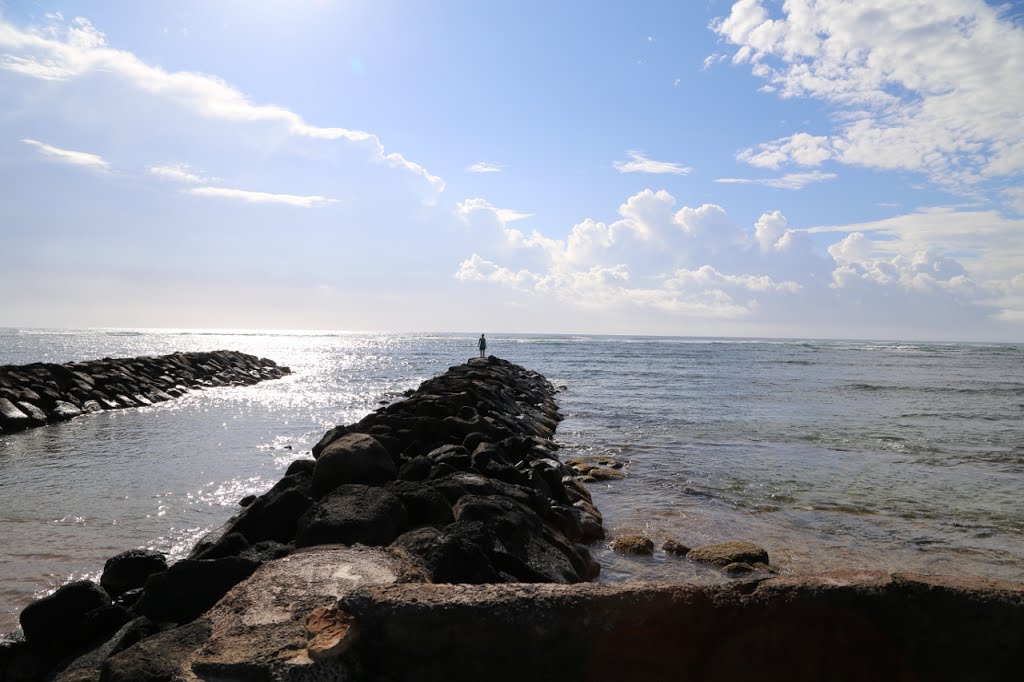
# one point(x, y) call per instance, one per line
point(788, 181)
point(179, 172)
point(68, 156)
point(466, 209)
point(916, 85)
point(485, 167)
point(802, 149)
point(639, 163)
point(61, 52)
point(260, 197)
point(713, 59)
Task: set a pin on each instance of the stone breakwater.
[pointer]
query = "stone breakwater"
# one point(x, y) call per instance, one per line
point(442, 538)
point(44, 393)
point(459, 482)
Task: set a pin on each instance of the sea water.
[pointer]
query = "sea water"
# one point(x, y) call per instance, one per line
point(831, 454)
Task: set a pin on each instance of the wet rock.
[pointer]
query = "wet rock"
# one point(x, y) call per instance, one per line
point(129, 570)
point(11, 418)
point(275, 514)
point(34, 413)
point(353, 514)
point(352, 458)
point(633, 544)
point(725, 553)
point(674, 548)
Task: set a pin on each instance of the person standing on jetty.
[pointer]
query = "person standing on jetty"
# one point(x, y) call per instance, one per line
point(482, 345)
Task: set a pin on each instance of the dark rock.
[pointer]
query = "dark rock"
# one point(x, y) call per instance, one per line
point(352, 458)
point(351, 514)
point(416, 469)
point(246, 501)
point(76, 613)
point(274, 515)
point(229, 544)
point(424, 504)
point(676, 548)
point(129, 570)
point(190, 587)
point(448, 557)
point(300, 466)
point(328, 438)
point(265, 551)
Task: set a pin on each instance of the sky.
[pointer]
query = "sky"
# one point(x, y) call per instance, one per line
point(799, 169)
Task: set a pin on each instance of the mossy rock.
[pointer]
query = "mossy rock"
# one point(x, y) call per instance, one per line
point(633, 544)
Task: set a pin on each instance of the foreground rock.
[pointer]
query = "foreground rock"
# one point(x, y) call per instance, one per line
point(41, 393)
point(349, 614)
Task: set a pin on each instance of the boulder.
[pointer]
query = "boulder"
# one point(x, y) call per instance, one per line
point(11, 418)
point(352, 514)
point(448, 556)
point(63, 411)
point(36, 415)
point(725, 553)
point(352, 458)
point(190, 587)
point(424, 504)
point(130, 569)
point(76, 613)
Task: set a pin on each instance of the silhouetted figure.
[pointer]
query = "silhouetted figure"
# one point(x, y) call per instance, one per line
point(482, 345)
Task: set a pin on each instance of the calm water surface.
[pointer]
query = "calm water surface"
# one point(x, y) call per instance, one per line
point(830, 454)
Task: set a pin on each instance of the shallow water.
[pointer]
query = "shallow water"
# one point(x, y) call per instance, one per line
point(830, 454)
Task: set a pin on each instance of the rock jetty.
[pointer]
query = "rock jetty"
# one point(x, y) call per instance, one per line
point(441, 538)
point(44, 393)
point(460, 482)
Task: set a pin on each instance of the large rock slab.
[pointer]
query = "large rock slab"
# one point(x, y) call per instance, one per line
point(259, 630)
point(840, 626)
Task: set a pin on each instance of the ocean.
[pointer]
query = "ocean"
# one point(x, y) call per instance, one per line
point(888, 456)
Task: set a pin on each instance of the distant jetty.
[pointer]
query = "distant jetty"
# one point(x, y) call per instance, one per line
point(45, 393)
point(442, 538)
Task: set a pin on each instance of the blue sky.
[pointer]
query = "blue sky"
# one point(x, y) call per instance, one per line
point(813, 168)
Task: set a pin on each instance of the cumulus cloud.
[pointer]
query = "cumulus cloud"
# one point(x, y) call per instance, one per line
point(68, 156)
point(64, 52)
point(638, 163)
point(788, 181)
point(260, 197)
point(640, 261)
point(485, 167)
point(916, 85)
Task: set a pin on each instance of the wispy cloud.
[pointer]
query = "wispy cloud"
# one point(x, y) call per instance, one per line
point(179, 172)
point(464, 209)
point(638, 163)
point(261, 197)
point(63, 51)
point(790, 181)
point(68, 156)
point(485, 167)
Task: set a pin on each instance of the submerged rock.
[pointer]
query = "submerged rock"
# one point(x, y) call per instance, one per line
point(633, 544)
point(725, 553)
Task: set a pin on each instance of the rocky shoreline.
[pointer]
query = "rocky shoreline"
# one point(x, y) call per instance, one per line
point(45, 393)
point(441, 536)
